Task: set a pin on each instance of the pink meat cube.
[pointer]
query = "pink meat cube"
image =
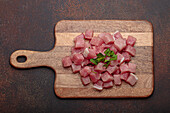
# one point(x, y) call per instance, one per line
point(124, 68)
point(76, 68)
point(124, 76)
point(120, 44)
point(79, 36)
point(120, 58)
point(108, 84)
point(132, 79)
point(106, 77)
point(96, 41)
point(79, 41)
point(131, 50)
point(85, 71)
point(99, 67)
point(94, 76)
point(89, 34)
point(131, 40)
point(77, 58)
point(111, 69)
point(66, 61)
point(98, 85)
point(92, 54)
point(107, 38)
point(117, 79)
point(117, 35)
point(107, 45)
point(87, 44)
point(94, 48)
point(114, 62)
point(117, 71)
point(132, 67)
point(77, 50)
point(85, 62)
point(112, 48)
point(86, 52)
point(100, 49)
point(85, 80)
point(126, 56)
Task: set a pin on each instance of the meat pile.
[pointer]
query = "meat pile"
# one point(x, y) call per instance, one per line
point(103, 60)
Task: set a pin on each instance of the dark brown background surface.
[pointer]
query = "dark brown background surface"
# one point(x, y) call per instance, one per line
point(29, 24)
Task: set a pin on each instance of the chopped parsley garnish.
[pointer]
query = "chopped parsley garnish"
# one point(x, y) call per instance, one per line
point(101, 58)
point(94, 72)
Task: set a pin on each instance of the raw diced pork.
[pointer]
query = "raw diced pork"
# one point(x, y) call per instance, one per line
point(66, 61)
point(132, 79)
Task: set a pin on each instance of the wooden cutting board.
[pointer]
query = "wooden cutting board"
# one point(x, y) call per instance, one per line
point(68, 85)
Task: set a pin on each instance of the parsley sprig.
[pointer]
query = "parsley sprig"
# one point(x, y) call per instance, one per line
point(101, 58)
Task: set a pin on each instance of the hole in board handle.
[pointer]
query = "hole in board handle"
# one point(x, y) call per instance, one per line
point(21, 59)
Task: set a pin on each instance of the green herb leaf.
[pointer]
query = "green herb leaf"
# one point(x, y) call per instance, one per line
point(100, 55)
point(94, 72)
point(106, 61)
point(112, 53)
point(94, 61)
point(113, 58)
point(99, 59)
point(106, 65)
point(107, 52)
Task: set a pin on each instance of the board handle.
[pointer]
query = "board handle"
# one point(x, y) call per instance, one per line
point(33, 59)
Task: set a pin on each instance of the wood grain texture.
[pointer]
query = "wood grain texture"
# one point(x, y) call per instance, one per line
point(68, 85)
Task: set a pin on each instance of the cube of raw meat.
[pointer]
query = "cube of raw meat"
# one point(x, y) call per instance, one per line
point(120, 58)
point(87, 44)
point(117, 35)
point(124, 68)
point(92, 54)
point(132, 79)
point(131, 40)
point(106, 77)
point(107, 45)
point(108, 84)
point(107, 38)
point(117, 79)
point(79, 41)
point(66, 61)
point(85, 71)
point(98, 85)
point(120, 44)
point(126, 56)
point(85, 80)
point(124, 76)
point(114, 62)
point(96, 41)
point(132, 67)
point(100, 49)
point(111, 69)
point(99, 67)
point(89, 34)
point(77, 58)
point(77, 50)
point(117, 71)
point(85, 62)
point(112, 48)
point(131, 50)
point(94, 76)
point(86, 52)
point(76, 68)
